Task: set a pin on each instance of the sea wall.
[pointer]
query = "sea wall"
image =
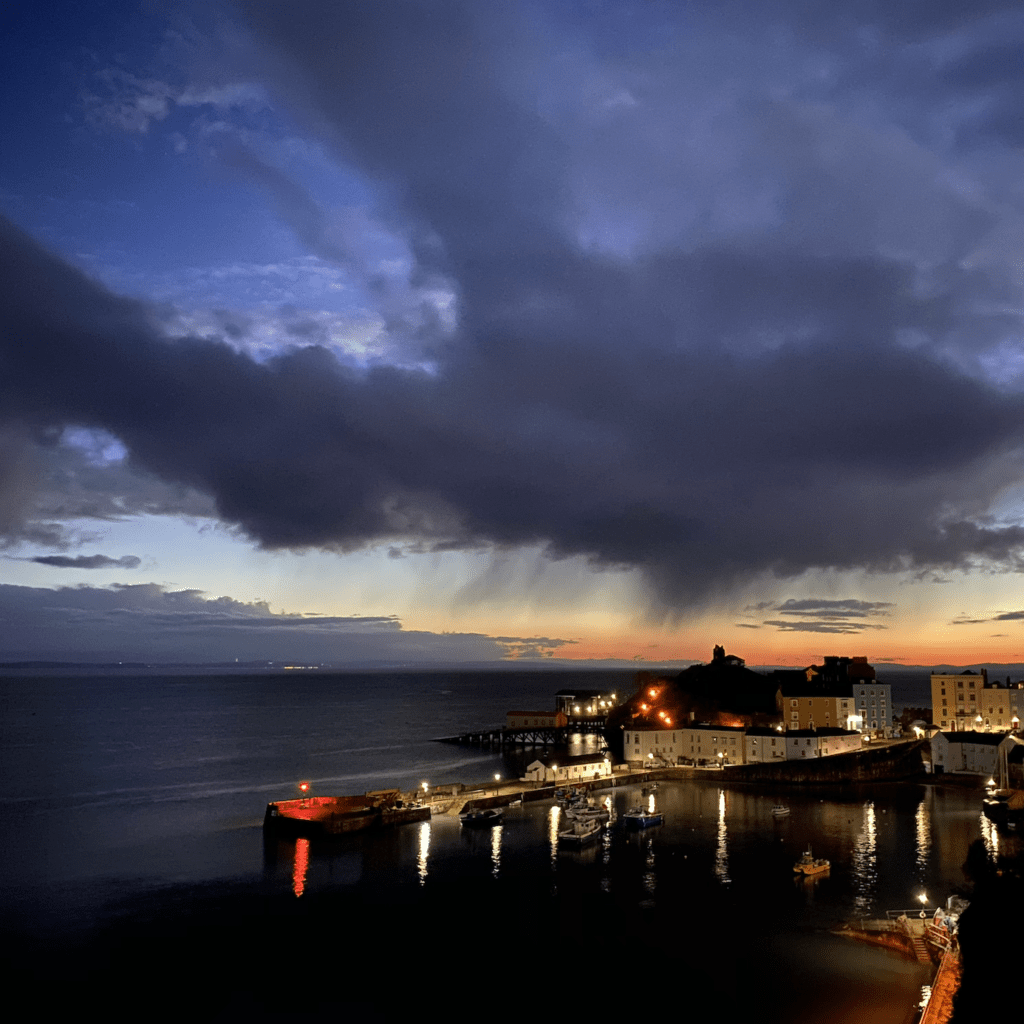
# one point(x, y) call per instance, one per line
point(891, 761)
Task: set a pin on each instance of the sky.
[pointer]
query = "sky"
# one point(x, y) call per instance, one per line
point(427, 332)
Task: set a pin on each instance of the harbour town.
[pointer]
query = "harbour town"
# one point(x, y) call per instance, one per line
point(831, 726)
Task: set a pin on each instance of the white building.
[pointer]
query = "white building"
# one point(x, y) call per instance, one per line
point(976, 753)
point(708, 743)
point(804, 743)
point(764, 744)
point(578, 768)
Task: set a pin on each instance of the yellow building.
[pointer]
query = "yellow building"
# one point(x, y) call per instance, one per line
point(957, 700)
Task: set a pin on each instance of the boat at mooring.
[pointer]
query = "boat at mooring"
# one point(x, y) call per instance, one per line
point(809, 865)
point(482, 818)
point(338, 815)
point(638, 817)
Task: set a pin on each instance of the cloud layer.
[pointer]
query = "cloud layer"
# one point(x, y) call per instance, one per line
point(147, 622)
point(721, 308)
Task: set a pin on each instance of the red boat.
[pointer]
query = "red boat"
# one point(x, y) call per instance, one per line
point(337, 815)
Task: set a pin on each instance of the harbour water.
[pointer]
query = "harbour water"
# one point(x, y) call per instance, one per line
point(136, 874)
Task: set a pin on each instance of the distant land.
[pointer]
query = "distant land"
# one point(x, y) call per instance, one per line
point(997, 671)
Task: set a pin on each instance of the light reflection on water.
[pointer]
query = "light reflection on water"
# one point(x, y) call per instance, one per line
point(554, 817)
point(989, 836)
point(865, 872)
point(300, 867)
point(496, 833)
point(424, 852)
point(923, 833)
point(722, 846)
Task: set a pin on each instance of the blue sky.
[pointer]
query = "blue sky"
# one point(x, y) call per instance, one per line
point(588, 330)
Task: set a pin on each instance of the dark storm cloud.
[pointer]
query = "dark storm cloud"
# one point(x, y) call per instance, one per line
point(783, 378)
point(148, 622)
point(88, 561)
point(843, 609)
point(816, 615)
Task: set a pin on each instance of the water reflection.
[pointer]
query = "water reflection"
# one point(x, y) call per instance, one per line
point(865, 871)
point(554, 816)
point(300, 866)
point(496, 850)
point(923, 833)
point(721, 846)
point(424, 851)
point(989, 836)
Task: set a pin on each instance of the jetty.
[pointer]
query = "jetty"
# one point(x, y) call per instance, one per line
point(928, 938)
point(532, 736)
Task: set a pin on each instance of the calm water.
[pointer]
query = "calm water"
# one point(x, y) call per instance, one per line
point(135, 872)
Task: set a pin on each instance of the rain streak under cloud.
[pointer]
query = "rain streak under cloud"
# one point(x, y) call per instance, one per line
point(710, 295)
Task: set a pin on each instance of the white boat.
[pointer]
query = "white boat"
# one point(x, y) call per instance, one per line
point(780, 810)
point(587, 812)
point(581, 833)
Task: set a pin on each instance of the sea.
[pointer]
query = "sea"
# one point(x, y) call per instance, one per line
point(137, 882)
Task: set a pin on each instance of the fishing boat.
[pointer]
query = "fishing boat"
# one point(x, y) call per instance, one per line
point(780, 810)
point(482, 818)
point(808, 865)
point(581, 833)
point(599, 814)
point(639, 817)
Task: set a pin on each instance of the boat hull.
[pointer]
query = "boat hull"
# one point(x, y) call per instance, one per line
point(338, 815)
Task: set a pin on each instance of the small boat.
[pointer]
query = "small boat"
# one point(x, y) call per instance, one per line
point(638, 817)
point(484, 818)
point(808, 865)
point(601, 814)
point(780, 810)
point(581, 833)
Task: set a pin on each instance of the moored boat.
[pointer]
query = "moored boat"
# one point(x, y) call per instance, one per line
point(638, 817)
point(809, 865)
point(338, 815)
point(581, 833)
point(482, 818)
point(780, 810)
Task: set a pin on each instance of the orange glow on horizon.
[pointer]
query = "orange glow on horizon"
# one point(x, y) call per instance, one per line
point(937, 645)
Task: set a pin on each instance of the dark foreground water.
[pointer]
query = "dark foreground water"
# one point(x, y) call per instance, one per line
point(136, 881)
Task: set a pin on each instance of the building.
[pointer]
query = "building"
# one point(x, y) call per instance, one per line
point(691, 743)
point(578, 768)
point(536, 720)
point(724, 744)
point(873, 709)
point(976, 753)
point(957, 699)
point(1001, 707)
point(815, 703)
point(585, 703)
point(764, 744)
point(804, 743)
point(1011, 762)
